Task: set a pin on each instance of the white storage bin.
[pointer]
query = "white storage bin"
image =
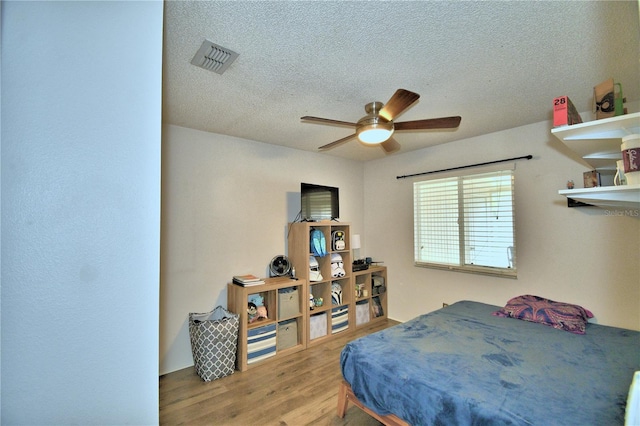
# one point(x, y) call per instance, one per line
point(317, 326)
point(362, 312)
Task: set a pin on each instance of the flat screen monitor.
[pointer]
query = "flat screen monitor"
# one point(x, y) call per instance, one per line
point(319, 202)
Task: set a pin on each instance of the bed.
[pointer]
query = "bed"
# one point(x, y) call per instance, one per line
point(463, 365)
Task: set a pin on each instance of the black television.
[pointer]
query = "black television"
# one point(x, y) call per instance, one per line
point(318, 202)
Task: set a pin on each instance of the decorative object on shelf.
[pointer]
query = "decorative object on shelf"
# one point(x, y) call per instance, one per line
point(570, 184)
point(318, 301)
point(337, 267)
point(337, 240)
point(618, 99)
point(314, 269)
point(619, 178)
point(630, 148)
point(280, 266)
point(317, 242)
point(359, 265)
point(336, 293)
point(603, 99)
point(564, 112)
point(252, 311)
point(591, 179)
point(312, 302)
point(256, 312)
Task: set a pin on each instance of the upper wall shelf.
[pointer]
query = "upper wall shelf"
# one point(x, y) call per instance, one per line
point(598, 143)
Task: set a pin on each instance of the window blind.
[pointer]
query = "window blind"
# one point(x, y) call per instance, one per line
point(466, 223)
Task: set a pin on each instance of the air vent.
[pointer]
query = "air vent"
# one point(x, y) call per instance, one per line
point(214, 58)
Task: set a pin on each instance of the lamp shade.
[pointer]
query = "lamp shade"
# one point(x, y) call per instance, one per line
point(355, 242)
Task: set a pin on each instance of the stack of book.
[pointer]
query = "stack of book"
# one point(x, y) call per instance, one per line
point(247, 280)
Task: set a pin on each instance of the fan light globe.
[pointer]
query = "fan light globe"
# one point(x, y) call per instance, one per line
point(373, 129)
point(374, 135)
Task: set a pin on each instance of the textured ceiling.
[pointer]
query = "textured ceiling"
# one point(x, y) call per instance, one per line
point(497, 64)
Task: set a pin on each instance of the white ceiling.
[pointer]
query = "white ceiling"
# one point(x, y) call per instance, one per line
point(497, 64)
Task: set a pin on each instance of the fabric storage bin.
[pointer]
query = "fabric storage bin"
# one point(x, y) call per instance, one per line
point(261, 343)
point(317, 326)
point(287, 334)
point(362, 312)
point(288, 303)
point(339, 319)
point(214, 339)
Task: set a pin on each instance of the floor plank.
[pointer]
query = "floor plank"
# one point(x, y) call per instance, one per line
point(298, 389)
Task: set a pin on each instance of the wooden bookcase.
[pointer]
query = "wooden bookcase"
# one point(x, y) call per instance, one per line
point(370, 291)
point(286, 303)
point(328, 319)
point(263, 339)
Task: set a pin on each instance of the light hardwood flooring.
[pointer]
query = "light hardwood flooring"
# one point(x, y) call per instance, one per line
point(298, 389)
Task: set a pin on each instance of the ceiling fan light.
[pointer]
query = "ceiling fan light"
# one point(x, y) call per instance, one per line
point(373, 130)
point(374, 134)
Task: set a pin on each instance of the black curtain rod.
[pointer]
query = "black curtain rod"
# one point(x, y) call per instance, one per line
point(528, 157)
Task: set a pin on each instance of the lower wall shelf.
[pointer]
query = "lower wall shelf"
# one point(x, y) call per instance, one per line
point(624, 196)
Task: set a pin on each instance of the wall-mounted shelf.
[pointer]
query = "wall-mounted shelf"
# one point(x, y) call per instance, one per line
point(606, 196)
point(598, 143)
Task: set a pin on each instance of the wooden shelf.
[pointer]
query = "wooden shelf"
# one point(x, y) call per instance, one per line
point(598, 143)
point(364, 278)
point(237, 301)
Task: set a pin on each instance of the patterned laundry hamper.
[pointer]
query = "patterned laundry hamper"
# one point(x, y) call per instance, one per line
point(214, 339)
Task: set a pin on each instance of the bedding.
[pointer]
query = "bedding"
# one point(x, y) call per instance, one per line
point(560, 315)
point(461, 365)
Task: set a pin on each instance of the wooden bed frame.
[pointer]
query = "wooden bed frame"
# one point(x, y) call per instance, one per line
point(345, 394)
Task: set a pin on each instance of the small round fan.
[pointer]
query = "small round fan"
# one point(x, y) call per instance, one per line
point(280, 266)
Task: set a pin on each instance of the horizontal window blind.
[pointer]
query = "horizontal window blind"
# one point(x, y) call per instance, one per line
point(466, 223)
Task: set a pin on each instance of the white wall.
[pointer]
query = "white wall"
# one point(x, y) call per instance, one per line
point(589, 256)
point(226, 203)
point(81, 125)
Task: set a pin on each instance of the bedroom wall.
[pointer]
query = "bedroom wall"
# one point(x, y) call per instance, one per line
point(226, 203)
point(589, 256)
point(80, 212)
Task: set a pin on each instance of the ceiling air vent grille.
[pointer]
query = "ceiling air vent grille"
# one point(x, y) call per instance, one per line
point(214, 58)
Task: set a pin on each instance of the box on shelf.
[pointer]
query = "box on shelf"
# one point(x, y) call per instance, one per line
point(339, 319)
point(287, 334)
point(317, 326)
point(564, 112)
point(604, 99)
point(362, 312)
point(261, 343)
point(288, 302)
point(591, 179)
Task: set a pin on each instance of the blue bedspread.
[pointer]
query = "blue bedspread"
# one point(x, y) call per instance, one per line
point(461, 366)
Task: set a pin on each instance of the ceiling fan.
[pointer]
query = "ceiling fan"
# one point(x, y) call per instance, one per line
point(377, 126)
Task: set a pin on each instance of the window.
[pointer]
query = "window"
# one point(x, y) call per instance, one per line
point(466, 223)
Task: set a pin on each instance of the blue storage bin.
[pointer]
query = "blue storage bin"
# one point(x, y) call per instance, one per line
point(339, 319)
point(261, 343)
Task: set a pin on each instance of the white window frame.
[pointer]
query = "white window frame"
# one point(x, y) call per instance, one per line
point(454, 225)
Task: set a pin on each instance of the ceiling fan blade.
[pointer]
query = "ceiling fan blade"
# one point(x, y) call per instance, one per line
point(430, 123)
point(390, 145)
point(336, 143)
point(327, 121)
point(399, 102)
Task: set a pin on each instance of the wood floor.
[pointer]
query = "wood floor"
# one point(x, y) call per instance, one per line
point(299, 389)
